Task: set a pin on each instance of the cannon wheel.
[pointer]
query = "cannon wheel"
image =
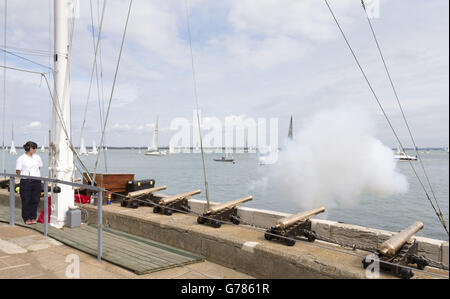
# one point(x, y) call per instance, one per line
point(216, 224)
point(168, 212)
point(134, 204)
point(123, 203)
point(289, 242)
point(268, 235)
point(406, 273)
point(235, 220)
point(421, 264)
point(200, 220)
point(156, 209)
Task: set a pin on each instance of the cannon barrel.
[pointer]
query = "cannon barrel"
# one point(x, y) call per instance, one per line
point(230, 204)
point(146, 191)
point(4, 180)
point(396, 242)
point(285, 222)
point(170, 199)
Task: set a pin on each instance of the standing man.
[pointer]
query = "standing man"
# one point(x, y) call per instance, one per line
point(29, 164)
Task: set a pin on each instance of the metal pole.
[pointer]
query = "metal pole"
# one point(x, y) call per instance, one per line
point(12, 208)
point(45, 208)
point(100, 225)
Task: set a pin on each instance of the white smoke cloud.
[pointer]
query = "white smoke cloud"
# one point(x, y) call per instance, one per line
point(335, 160)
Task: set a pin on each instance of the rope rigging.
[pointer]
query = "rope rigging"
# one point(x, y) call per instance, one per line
point(440, 215)
point(382, 109)
point(93, 69)
point(196, 101)
point(114, 84)
point(58, 110)
point(101, 119)
point(27, 51)
point(24, 58)
point(4, 90)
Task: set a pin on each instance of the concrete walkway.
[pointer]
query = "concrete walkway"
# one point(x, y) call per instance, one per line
point(25, 253)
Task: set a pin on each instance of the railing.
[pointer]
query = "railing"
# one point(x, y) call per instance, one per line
point(98, 190)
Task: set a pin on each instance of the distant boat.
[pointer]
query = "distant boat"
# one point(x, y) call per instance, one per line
point(43, 147)
point(83, 151)
point(402, 156)
point(226, 158)
point(154, 149)
point(12, 151)
point(94, 150)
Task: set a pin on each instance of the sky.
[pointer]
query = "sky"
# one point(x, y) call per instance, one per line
point(253, 59)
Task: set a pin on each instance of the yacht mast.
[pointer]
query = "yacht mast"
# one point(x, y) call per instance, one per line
point(62, 156)
point(291, 130)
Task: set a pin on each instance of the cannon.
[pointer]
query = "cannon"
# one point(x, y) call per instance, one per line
point(167, 205)
point(400, 251)
point(146, 195)
point(4, 182)
point(223, 212)
point(299, 225)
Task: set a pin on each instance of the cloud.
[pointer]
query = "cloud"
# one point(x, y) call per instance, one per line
point(261, 58)
point(34, 125)
point(306, 18)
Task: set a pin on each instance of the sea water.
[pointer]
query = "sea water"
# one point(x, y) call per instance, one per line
point(183, 172)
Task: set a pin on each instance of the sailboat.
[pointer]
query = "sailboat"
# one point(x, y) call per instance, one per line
point(154, 150)
point(12, 151)
point(401, 155)
point(94, 150)
point(43, 147)
point(227, 158)
point(83, 151)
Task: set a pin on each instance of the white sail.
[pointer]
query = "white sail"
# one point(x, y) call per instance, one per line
point(83, 150)
point(153, 150)
point(155, 137)
point(43, 147)
point(13, 151)
point(94, 148)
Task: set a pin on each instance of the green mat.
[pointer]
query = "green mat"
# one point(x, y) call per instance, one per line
point(139, 255)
